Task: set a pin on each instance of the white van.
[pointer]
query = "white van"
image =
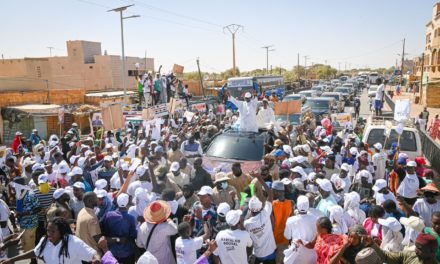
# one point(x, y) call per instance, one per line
point(410, 142)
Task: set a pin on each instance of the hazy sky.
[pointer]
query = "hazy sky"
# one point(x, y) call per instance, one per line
point(353, 33)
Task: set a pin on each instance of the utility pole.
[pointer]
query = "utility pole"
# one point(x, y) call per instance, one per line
point(297, 69)
point(48, 91)
point(267, 56)
point(305, 67)
point(200, 76)
point(401, 66)
point(233, 28)
point(50, 51)
point(421, 78)
point(121, 10)
point(339, 67)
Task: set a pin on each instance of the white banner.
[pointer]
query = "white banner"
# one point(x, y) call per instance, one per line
point(402, 110)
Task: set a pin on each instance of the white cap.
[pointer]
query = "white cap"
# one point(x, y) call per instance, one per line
point(205, 190)
point(379, 185)
point(100, 184)
point(233, 217)
point(108, 158)
point(174, 166)
point(255, 204)
point(378, 146)
point(73, 158)
point(301, 171)
point(108, 145)
point(345, 167)
point(77, 171)
point(390, 222)
point(305, 148)
point(223, 209)
point(140, 171)
point(58, 193)
point(353, 151)
point(325, 184)
point(124, 166)
point(81, 161)
point(365, 174)
point(286, 181)
point(302, 203)
point(247, 95)
point(122, 200)
point(74, 124)
point(37, 166)
point(414, 222)
point(298, 159)
point(311, 176)
point(79, 185)
point(63, 168)
point(100, 193)
point(18, 133)
point(43, 178)
point(34, 130)
point(411, 164)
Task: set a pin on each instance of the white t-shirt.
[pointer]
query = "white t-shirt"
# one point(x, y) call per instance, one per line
point(409, 186)
point(78, 251)
point(186, 249)
point(379, 92)
point(261, 232)
point(301, 226)
point(425, 210)
point(380, 197)
point(232, 246)
point(379, 160)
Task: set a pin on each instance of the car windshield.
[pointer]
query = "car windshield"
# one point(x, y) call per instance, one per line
point(292, 98)
point(294, 119)
point(342, 90)
point(324, 104)
point(407, 139)
point(336, 96)
point(245, 147)
point(307, 94)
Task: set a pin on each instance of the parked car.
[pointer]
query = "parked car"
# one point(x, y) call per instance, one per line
point(346, 92)
point(293, 97)
point(321, 107)
point(319, 90)
point(340, 102)
point(309, 93)
point(372, 90)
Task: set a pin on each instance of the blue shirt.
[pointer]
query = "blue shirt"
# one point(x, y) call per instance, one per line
point(27, 204)
point(120, 224)
point(106, 207)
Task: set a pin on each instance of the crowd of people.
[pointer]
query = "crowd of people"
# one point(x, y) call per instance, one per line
point(143, 195)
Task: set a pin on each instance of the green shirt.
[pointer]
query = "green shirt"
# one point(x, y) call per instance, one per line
point(140, 87)
point(429, 230)
point(405, 257)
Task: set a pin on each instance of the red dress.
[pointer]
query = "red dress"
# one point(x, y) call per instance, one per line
point(328, 245)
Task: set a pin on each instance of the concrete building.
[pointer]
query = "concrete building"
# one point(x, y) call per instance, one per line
point(84, 68)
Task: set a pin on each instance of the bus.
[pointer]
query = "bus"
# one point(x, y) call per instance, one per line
point(263, 85)
point(372, 77)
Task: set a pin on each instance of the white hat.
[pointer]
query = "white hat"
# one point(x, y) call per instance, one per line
point(247, 95)
point(255, 204)
point(63, 168)
point(83, 146)
point(34, 130)
point(345, 167)
point(18, 133)
point(390, 222)
point(325, 184)
point(353, 151)
point(379, 185)
point(108, 158)
point(74, 124)
point(223, 209)
point(411, 164)
point(205, 190)
point(73, 159)
point(79, 185)
point(305, 148)
point(414, 222)
point(81, 161)
point(174, 166)
point(28, 162)
point(124, 166)
point(58, 193)
point(221, 176)
point(365, 174)
point(311, 176)
point(301, 171)
point(233, 217)
point(403, 155)
point(77, 171)
point(378, 146)
point(122, 200)
point(100, 184)
point(108, 145)
point(298, 159)
point(363, 152)
point(37, 166)
point(100, 193)
point(286, 181)
point(87, 153)
point(43, 178)
point(302, 203)
point(140, 171)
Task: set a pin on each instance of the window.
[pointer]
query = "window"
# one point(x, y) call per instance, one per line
point(38, 71)
point(407, 139)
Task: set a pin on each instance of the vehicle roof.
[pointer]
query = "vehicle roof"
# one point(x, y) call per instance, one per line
point(293, 95)
point(330, 93)
point(307, 91)
point(321, 99)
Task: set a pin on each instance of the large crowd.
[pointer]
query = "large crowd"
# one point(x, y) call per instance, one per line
point(144, 195)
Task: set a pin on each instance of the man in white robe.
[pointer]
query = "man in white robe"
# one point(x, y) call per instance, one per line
point(248, 112)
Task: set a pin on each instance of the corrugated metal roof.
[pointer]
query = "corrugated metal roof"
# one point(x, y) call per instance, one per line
point(39, 109)
point(110, 94)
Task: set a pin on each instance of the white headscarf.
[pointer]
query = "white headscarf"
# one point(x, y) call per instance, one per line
point(351, 206)
point(337, 216)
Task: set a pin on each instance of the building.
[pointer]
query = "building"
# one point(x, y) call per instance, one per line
point(83, 69)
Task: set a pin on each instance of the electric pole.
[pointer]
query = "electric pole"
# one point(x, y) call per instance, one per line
point(421, 78)
point(50, 51)
point(267, 57)
point(233, 28)
point(297, 69)
point(200, 76)
point(305, 67)
point(401, 66)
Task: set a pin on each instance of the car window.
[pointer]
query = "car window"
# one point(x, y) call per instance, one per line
point(407, 139)
point(317, 103)
point(240, 148)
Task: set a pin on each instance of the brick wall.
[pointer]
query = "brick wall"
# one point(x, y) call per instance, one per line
point(60, 97)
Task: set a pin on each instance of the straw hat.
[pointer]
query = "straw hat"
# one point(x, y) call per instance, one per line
point(157, 212)
point(430, 188)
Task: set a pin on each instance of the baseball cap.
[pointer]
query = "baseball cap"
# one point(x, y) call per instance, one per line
point(255, 204)
point(79, 185)
point(379, 185)
point(325, 184)
point(345, 167)
point(108, 158)
point(58, 193)
point(223, 209)
point(378, 146)
point(174, 166)
point(122, 200)
point(100, 184)
point(278, 185)
point(411, 164)
point(205, 190)
point(247, 95)
point(101, 193)
point(233, 217)
point(43, 178)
